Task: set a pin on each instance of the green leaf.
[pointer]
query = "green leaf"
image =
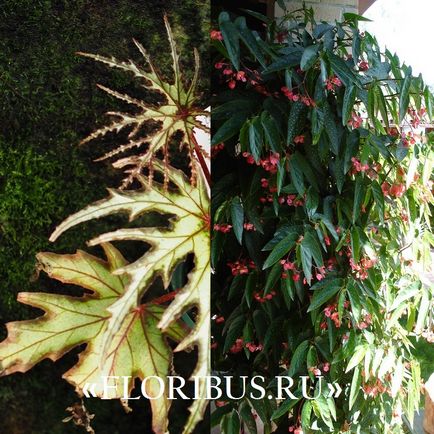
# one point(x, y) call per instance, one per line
point(331, 130)
point(359, 194)
point(296, 176)
point(404, 96)
point(273, 277)
point(271, 130)
point(306, 262)
point(310, 242)
point(309, 57)
point(355, 387)
point(69, 322)
point(230, 38)
point(247, 417)
point(229, 128)
point(322, 295)
point(348, 103)
point(281, 249)
point(405, 294)
point(298, 359)
point(372, 107)
point(349, 16)
point(359, 354)
point(301, 162)
point(255, 138)
point(249, 40)
point(297, 109)
point(237, 218)
point(343, 71)
point(379, 199)
point(355, 244)
point(234, 424)
point(284, 408)
point(428, 102)
point(306, 414)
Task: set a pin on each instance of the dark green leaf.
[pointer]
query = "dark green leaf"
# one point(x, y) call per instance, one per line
point(343, 71)
point(255, 138)
point(273, 277)
point(310, 242)
point(247, 417)
point(404, 96)
point(296, 176)
point(293, 121)
point(229, 129)
point(271, 130)
point(281, 249)
point(237, 217)
point(309, 57)
point(359, 193)
point(298, 360)
point(379, 199)
point(348, 103)
point(249, 40)
point(321, 296)
point(230, 38)
point(331, 130)
point(355, 244)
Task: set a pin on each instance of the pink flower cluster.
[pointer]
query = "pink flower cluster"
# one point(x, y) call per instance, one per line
point(367, 321)
point(267, 297)
point(361, 269)
point(292, 96)
point(295, 429)
point(407, 139)
point(216, 35)
point(252, 347)
point(239, 345)
point(268, 163)
point(223, 227)
point(317, 370)
point(372, 171)
point(355, 120)
point(363, 66)
point(216, 149)
point(333, 82)
point(331, 311)
point(395, 190)
point(299, 139)
point(241, 267)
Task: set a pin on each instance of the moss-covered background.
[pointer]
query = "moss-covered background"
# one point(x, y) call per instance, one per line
point(48, 102)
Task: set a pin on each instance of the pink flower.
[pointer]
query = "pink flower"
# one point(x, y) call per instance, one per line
point(216, 35)
point(241, 76)
point(363, 66)
point(299, 139)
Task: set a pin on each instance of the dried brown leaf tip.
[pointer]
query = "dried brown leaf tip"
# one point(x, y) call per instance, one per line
point(152, 127)
point(80, 416)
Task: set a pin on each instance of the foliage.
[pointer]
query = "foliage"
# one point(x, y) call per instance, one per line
point(189, 296)
point(321, 216)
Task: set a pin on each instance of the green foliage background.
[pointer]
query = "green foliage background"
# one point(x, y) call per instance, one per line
point(48, 102)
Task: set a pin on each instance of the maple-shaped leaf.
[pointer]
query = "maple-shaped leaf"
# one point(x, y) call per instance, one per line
point(188, 233)
point(137, 350)
point(178, 113)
